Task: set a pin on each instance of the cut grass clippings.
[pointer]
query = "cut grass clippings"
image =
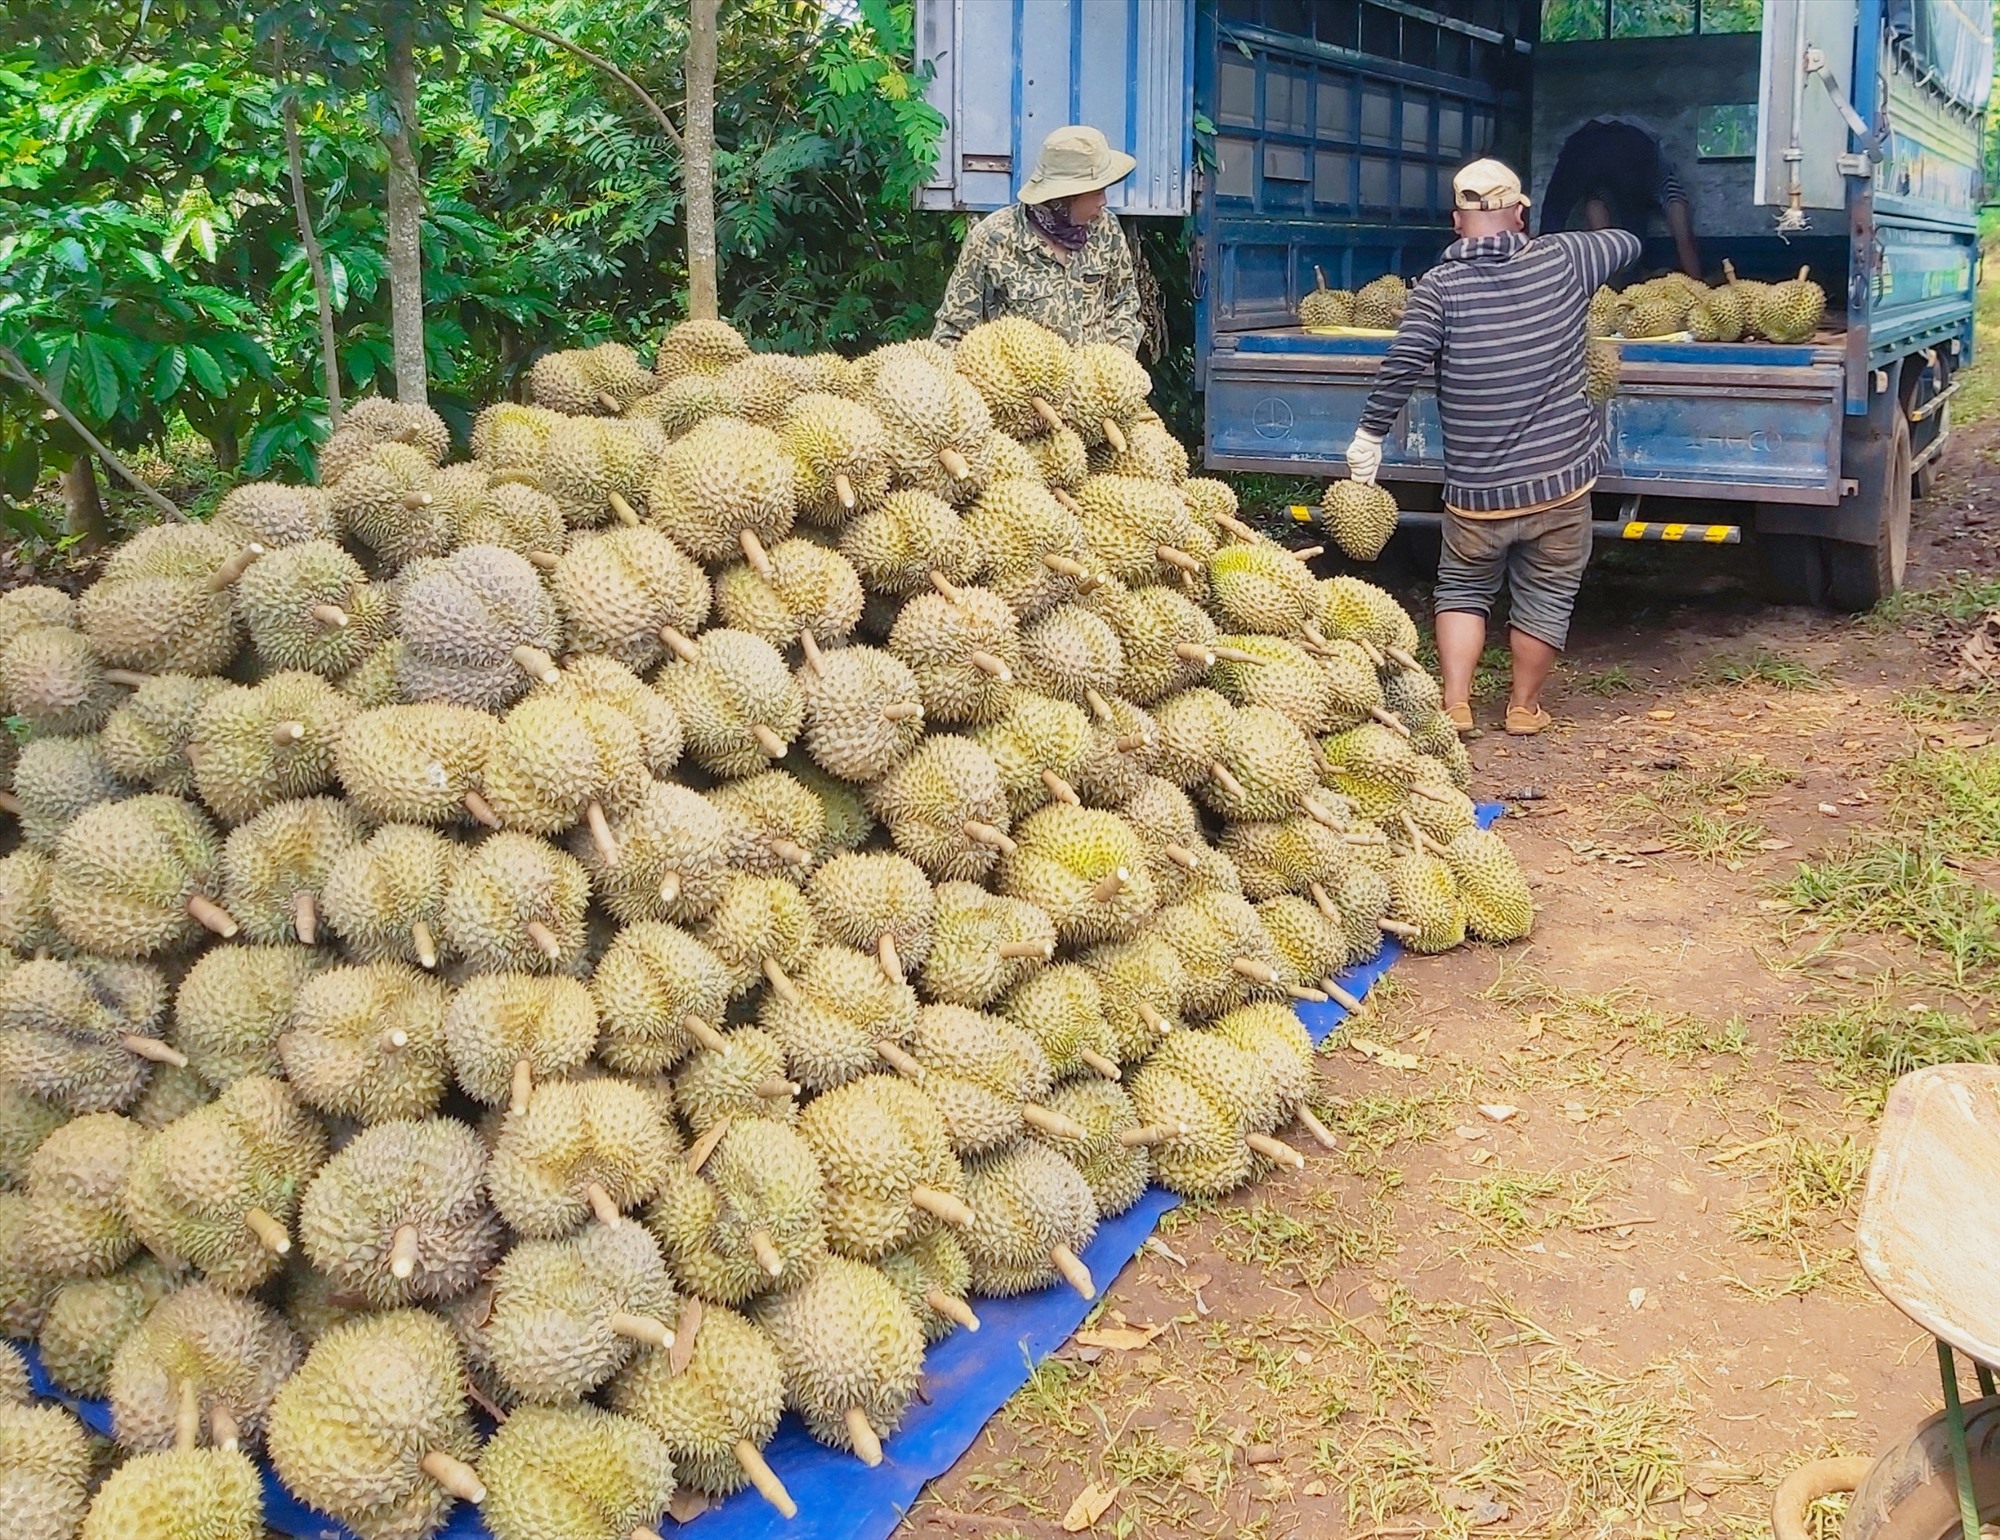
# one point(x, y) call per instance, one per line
point(1863, 1047)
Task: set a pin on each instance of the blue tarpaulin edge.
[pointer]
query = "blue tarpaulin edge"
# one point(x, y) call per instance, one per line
point(967, 1378)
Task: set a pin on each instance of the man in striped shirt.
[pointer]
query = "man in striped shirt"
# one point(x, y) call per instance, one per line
point(1501, 321)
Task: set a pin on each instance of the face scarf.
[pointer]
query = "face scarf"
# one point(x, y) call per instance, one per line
point(1052, 219)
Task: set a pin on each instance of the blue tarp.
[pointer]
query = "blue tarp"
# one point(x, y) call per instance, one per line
point(967, 1378)
point(1951, 44)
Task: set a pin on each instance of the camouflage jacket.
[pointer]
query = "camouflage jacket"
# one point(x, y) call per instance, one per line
point(1007, 268)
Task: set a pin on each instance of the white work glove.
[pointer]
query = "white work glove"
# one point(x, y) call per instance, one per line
point(1364, 457)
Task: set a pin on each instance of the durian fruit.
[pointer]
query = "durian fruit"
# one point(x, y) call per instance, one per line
point(580, 1148)
point(27, 925)
point(1171, 833)
point(774, 824)
point(1228, 957)
point(24, 1293)
point(741, 1078)
point(698, 347)
point(763, 929)
point(1324, 307)
point(505, 1031)
point(1070, 653)
point(76, 1225)
point(90, 1319)
point(1035, 548)
point(878, 903)
point(843, 809)
point(1224, 1105)
point(1021, 370)
point(15, 1387)
point(725, 488)
point(145, 739)
point(566, 1315)
point(838, 457)
point(1084, 868)
point(51, 680)
point(1351, 610)
point(274, 867)
point(574, 1473)
point(562, 759)
point(933, 421)
point(983, 945)
point(1061, 1008)
point(367, 1042)
point(673, 857)
point(1151, 453)
point(1379, 305)
point(897, 543)
point(418, 764)
point(1609, 312)
point(985, 1076)
point(1109, 388)
point(852, 1354)
point(1035, 1213)
point(311, 607)
point(372, 1429)
point(1361, 517)
point(181, 1494)
point(1259, 586)
point(887, 1162)
point(1498, 906)
point(54, 780)
point(1140, 529)
point(933, 1275)
point(1263, 770)
point(751, 1219)
point(29, 606)
point(202, 1360)
point(717, 1411)
point(1427, 911)
point(82, 1033)
point(1039, 747)
point(25, 1121)
point(738, 704)
point(618, 590)
point(1060, 457)
point(1111, 1153)
point(1362, 898)
point(1274, 1036)
point(1790, 311)
point(163, 603)
point(1285, 856)
point(45, 1470)
point(686, 402)
point(386, 503)
point(1168, 641)
point(593, 677)
point(514, 516)
point(658, 993)
point(1721, 314)
point(1270, 671)
point(253, 745)
point(400, 1215)
point(580, 381)
point(171, 1094)
point(516, 902)
point(864, 712)
point(477, 629)
point(274, 515)
point(384, 898)
point(765, 385)
point(1601, 365)
point(232, 1005)
point(831, 1015)
point(1654, 312)
point(138, 877)
point(1311, 938)
point(378, 420)
point(964, 647)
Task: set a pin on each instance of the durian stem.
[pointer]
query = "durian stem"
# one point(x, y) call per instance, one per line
point(1098, 1063)
point(989, 835)
point(1219, 773)
point(9, 803)
point(1061, 789)
point(698, 1152)
point(952, 593)
point(1324, 900)
point(1110, 885)
point(704, 1034)
point(991, 666)
point(1319, 278)
point(1070, 505)
point(764, 1479)
point(1074, 1273)
point(755, 554)
point(767, 740)
point(1051, 418)
point(187, 1418)
point(1275, 1150)
point(601, 837)
point(234, 568)
point(1418, 838)
point(867, 1447)
point(270, 1234)
point(1362, 837)
point(329, 615)
point(1113, 434)
point(955, 464)
point(1302, 992)
point(1804, 274)
point(1347, 1001)
point(1194, 652)
point(601, 1206)
point(780, 982)
point(1235, 526)
point(152, 1048)
point(1064, 566)
point(393, 1040)
point(1307, 553)
point(1430, 793)
point(670, 888)
point(777, 1088)
point(843, 490)
point(1320, 814)
point(1253, 970)
point(766, 1254)
point(902, 710)
point(1057, 1125)
point(890, 960)
point(210, 915)
point(1399, 930)
point(223, 1431)
point(544, 939)
point(423, 943)
point(941, 1205)
point(1181, 856)
point(1179, 560)
point(609, 402)
point(1374, 653)
point(898, 1058)
point(1315, 638)
point(1020, 951)
point(305, 918)
point(523, 1086)
point(480, 809)
point(127, 677)
point(621, 510)
point(640, 1328)
point(535, 663)
point(1151, 1134)
point(1129, 743)
point(680, 645)
point(1236, 655)
point(455, 1476)
point(1099, 706)
point(1403, 659)
point(1155, 1022)
point(791, 852)
point(952, 1308)
point(285, 734)
point(809, 646)
point(1390, 720)
point(543, 561)
point(403, 1252)
point(1322, 1135)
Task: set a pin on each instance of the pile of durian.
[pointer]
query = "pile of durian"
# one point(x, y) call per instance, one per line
point(637, 930)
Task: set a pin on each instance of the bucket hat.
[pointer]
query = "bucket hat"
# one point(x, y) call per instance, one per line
point(1076, 159)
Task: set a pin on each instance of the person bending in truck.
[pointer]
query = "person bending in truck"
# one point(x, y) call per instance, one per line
point(1612, 175)
point(1501, 320)
point(1057, 257)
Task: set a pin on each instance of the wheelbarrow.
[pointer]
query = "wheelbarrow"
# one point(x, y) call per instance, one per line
point(1928, 1237)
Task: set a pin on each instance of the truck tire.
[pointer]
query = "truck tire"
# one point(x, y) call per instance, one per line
point(1911, 1492)
point(1859, 577)
point(1794, 571)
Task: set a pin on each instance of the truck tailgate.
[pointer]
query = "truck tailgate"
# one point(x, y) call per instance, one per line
point(1746, 421)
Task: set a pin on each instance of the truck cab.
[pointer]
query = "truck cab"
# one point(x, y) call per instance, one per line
point(1310, 137)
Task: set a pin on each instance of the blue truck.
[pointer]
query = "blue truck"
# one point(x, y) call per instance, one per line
point(1320, 136)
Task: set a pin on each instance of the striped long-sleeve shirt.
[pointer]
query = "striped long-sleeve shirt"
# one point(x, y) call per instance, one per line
point(1502, 320)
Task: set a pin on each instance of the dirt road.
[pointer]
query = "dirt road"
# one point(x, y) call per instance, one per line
point(1584, 1263)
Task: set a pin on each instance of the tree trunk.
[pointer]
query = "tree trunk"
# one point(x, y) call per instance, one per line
point(406, 209)
point(329, 357)
point(83, 506)
point(698, 161)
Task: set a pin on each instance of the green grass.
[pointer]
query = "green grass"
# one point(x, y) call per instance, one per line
point(1959, 600)
point(1772, 669)
point(1948, 798)
point(1808, 1181)
point(1979, 396)
point(1517, 1204)
point(1698, 811)
point(1883, 884)
point(1863, 1047)
point(1928, 703)
point(1615, 680)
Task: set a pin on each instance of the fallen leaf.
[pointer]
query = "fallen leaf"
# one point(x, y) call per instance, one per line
point(1119, 1338)
point(1829, 809)
point(1262, 1454)
point(1774, 843)
point(1661, 715)
point(1313, 1489)
point(1479, 1156)
point(681, 1354)
point(1466, 1131)
point(687, 1505)
point(1636, 1298)
point(1089, 1507)
point(1499, 1112)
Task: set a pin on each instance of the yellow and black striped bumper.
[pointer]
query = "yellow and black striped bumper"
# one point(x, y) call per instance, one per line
point(1603, 529)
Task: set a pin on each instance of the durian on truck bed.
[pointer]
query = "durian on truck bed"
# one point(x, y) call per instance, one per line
point(700, 976)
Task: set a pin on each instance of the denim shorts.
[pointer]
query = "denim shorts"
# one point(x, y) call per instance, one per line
point(1540, 555)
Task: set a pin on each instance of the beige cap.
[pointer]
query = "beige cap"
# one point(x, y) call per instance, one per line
point(1076, 159)
point(1488, 185)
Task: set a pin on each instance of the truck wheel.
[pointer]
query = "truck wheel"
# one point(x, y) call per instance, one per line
point(1911, 1492)
point(1859, 577)
point(1794, 572)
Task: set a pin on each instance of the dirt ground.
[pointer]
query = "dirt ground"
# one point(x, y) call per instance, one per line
point(1583, 1264)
